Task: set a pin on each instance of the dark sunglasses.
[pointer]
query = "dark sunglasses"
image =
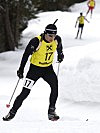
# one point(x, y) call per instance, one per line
point(51, 35)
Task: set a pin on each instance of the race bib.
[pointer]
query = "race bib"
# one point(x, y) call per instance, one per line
point(28, 83)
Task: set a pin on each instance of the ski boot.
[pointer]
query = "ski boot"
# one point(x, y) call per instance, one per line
point(9, 116)
point(52, 114)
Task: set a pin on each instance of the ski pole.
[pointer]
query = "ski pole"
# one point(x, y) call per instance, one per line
point(55, 21)
point(58, 69)
point(8, 105)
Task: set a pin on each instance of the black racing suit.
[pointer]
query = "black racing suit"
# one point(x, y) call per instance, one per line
point(35, 72)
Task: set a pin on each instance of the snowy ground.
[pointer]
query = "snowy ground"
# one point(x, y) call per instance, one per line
point(79, 79)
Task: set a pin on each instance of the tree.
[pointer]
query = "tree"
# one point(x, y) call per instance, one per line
point(14, 16)
point(9, 40)
point(53, 5)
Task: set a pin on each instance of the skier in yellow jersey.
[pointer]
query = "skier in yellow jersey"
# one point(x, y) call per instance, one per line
point(41, 49)
point(91, 6)
point(80, 20)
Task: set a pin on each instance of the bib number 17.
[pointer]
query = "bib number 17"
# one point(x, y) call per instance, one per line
point(48, 56)
point(28, 83)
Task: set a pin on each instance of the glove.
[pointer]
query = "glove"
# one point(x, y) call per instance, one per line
point(60, 57)
point(20, 74)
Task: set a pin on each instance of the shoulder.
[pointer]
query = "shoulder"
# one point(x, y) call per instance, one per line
point(35, 39)
point(58, 38)
point(34, 42)
point(78, 17)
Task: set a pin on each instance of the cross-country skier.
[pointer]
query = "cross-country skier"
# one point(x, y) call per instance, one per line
point(80, 21)
point(41, 49)
point(91, 6)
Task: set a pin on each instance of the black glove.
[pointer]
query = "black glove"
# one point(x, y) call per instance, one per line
point(20, 74)
point(60, 57)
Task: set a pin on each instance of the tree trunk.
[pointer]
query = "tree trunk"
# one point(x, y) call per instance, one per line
point(16, 33)
point(10, 44)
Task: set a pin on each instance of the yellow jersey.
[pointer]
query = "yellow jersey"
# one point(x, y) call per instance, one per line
point(44, 55)
point(91, 3)
point(81, 20)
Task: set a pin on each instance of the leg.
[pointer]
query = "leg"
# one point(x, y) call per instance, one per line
point(91, 12)
point(77, 33)
point(88, 11)
point(52, 80)
point(30, 80)
point(81, 32)
point(19, 99)
point(18, 102)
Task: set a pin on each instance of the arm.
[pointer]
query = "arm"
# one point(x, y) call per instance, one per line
point(59, 49)
point(94, 4)
point(88, 3)
point(31, 47)
point(76, 22)
point(86, 19)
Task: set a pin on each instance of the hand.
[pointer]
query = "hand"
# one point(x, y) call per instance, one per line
point(20, 74)
point(60, 57)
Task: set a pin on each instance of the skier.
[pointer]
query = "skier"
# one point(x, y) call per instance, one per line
point(41, 49)
point(80, 19)
point(91, 6)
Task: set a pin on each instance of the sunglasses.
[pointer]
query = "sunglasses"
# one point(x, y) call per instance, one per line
point(51, 35)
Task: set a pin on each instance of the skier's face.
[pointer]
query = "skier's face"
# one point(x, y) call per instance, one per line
point(50, 37)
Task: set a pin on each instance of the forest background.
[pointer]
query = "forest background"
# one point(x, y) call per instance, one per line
point(15, 14)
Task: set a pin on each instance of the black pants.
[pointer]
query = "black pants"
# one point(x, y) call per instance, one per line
point(34, 73)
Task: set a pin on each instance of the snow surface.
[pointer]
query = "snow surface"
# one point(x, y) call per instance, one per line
point(79, 78)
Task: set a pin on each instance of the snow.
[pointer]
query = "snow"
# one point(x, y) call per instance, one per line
point(79, 79)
